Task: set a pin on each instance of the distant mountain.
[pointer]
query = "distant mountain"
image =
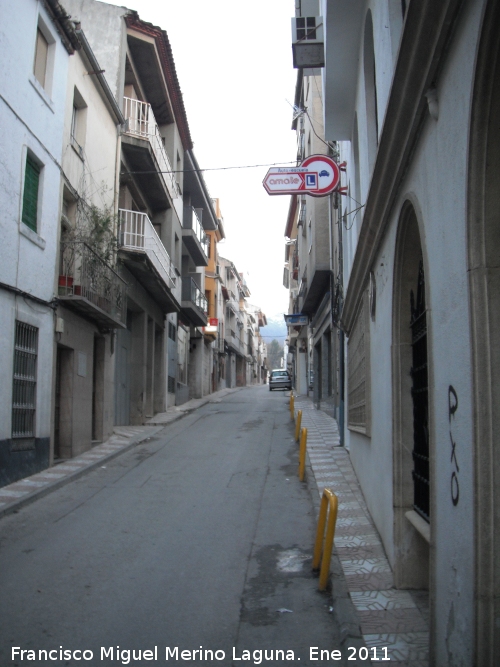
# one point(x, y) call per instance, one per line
point(276, 329)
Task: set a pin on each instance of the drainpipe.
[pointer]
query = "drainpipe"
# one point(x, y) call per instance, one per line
point(341, 341)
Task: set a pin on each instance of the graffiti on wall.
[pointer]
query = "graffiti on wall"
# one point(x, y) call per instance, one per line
point(452, 408)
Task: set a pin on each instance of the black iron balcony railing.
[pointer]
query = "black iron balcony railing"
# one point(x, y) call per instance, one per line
point(196, 226)
point(90, 282)
point(191, 292)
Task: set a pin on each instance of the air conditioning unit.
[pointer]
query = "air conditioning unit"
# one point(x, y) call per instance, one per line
point(308, 42)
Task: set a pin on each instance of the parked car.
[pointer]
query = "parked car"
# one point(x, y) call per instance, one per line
point(279, 379)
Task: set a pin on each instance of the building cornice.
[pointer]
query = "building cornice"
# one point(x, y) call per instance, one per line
point(424, 45)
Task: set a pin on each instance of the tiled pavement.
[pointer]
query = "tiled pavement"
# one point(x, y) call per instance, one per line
point(391, 618)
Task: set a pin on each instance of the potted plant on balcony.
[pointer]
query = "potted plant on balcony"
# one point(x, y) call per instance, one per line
point(85, 246)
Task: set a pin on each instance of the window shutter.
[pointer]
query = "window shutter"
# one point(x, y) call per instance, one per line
point(41, 54)
point(30, 196)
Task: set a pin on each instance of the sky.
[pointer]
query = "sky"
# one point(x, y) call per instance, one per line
point(234, 64)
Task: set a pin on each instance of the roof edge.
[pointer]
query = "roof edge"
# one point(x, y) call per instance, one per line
point(64, 25)
point(167, 60)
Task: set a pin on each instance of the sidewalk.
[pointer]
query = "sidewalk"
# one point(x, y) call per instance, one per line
point(387, 617)
point(16, 495)
point(370, 611)
point(177, 411)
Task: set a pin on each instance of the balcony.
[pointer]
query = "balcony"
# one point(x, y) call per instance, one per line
point(312, 292)
point(233, 342)
point(194, 237)
point(89, 286)
point(146, 258)
point(234, 306)
point(343, 30)
point(194, 303)
point(144, 148)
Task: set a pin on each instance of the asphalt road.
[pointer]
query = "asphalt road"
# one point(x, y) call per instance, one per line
point(201, 537)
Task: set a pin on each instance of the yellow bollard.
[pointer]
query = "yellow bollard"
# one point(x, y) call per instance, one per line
point(297, 424)
point(329, 499)
point(292, 407)
point(302, 454)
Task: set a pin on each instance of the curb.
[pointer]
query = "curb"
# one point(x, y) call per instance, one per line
point(151, 428)
point(182, 412)
point(16, 505)
point(343, 609)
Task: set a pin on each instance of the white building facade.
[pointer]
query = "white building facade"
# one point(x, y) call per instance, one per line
point(35, 53)
point(92, 302)
point(411, 95)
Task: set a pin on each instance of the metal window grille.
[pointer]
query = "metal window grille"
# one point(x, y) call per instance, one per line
point(171, 385)
point(24, 384)
point(359, 372)
point(30, 194)
point(419, 392)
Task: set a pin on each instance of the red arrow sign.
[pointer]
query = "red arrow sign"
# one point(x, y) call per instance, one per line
point(318, 175)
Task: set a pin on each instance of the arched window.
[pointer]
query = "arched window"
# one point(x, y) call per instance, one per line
point(412, 432)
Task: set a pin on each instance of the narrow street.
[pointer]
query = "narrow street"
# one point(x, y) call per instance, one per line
point(199, 537)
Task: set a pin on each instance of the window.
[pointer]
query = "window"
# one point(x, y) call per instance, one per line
point(302, 211)
point(420, 397)
point(358, 350)
point(178, 176)
point(24, 382)
point(30, 193)
point(78, 123)
point(41, 58)
point(74, 122)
